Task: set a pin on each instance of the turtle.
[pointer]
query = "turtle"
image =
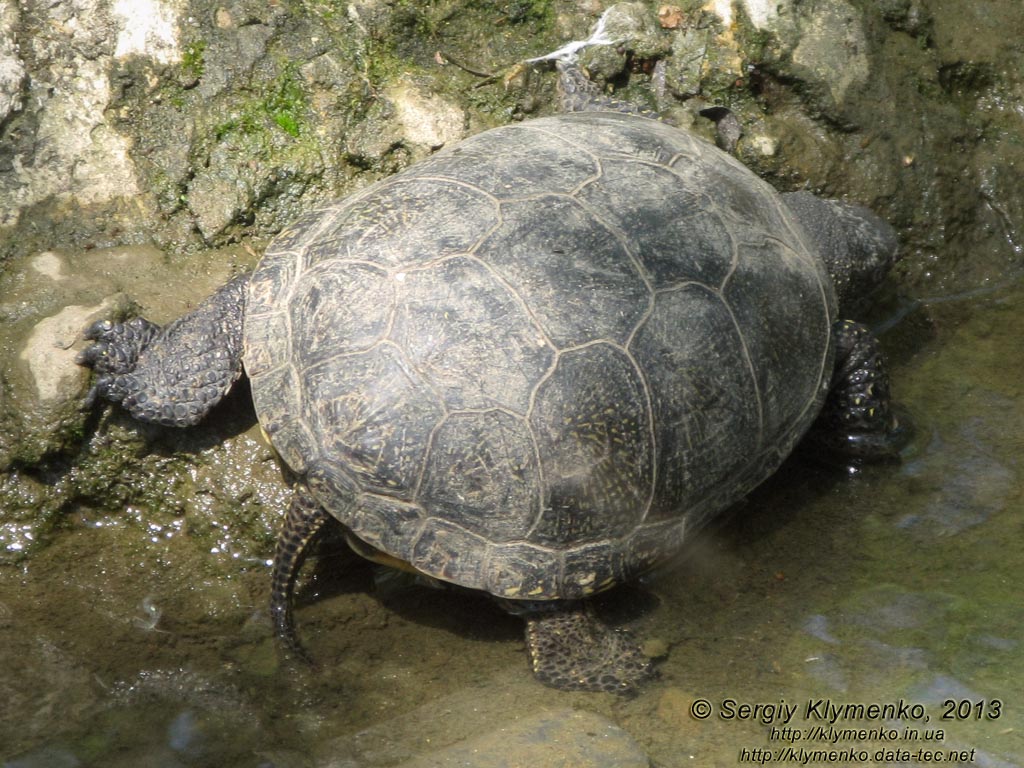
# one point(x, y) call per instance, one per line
point(534, 363)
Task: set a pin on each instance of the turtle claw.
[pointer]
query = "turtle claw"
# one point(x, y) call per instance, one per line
point(90, 355)
point(98, 329)
point(91, 396)
point(93, 353)
point(116, 346)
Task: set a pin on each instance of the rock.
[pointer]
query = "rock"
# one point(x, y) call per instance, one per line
point(821, 44)
point(685, 68)
point(426, 119)
point(656, 648)
point(762, 13)
point(634, 28)
point(46, 301)
point(147, 28)
point(908, 16)
point(764, 144)
point(630, 21)
point(833, 48)
point(40, 384)
point(553, 737)
point(218, 195)
point(49, 354)
point(405, 126)
point(77, 156)
point(12, 69)
point(231, 56)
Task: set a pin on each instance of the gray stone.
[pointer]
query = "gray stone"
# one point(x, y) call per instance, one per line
point(548, 739)
point(218, 195)
point(426, 119)
point(833, 48)
point(12, 69)
point(685, 68)
point(503, 715)
point(763, 14)
point(78, 156)
point(49, 355)
point(825, 41)
point(632, 26)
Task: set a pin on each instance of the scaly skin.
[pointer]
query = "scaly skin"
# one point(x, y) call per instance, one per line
point(303, 522)
point(856, 421)
point(172, 375)
point(572, 650)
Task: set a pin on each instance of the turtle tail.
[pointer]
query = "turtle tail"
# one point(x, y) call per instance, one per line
point(304, 520)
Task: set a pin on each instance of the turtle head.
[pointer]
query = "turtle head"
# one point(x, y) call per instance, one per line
point(858, 248)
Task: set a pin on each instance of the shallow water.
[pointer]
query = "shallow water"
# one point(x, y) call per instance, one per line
point(893, 585)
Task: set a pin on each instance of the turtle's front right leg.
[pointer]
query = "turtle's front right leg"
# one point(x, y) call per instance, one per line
point(857, 421)
point(172, 375)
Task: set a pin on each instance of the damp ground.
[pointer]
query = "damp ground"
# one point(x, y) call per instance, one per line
point(893, 585)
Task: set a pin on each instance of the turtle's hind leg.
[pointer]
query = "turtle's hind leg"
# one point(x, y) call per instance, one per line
point(304, 520)
point(172, 375)
point(571, 649)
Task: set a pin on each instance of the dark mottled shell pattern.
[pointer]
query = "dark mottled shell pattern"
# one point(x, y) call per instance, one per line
point(533, 362)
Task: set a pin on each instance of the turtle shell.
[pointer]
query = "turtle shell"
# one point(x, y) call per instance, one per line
point(533, 362)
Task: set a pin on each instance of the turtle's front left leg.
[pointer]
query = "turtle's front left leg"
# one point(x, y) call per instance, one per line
point(172, 375)
point(571, 649)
